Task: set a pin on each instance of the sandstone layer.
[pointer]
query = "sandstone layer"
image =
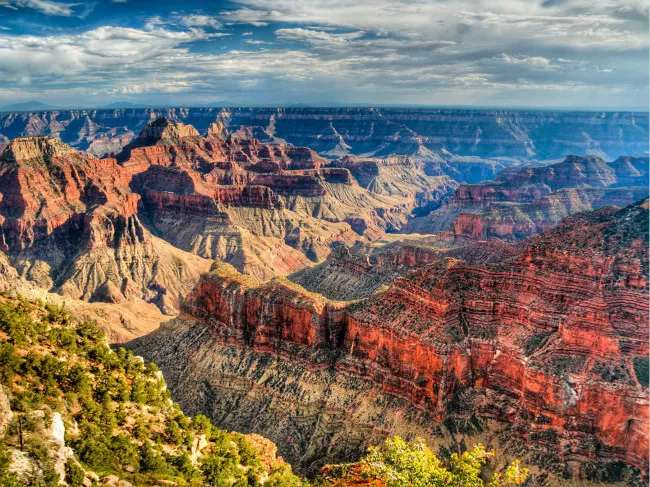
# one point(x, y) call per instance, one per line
point(69, 223)
point(267, 209)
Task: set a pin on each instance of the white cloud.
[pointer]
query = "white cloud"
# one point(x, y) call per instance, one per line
point(101, 50)
point(401, 51)
point(46, 7)
point(569, 22)
point(532, 61)
point(155, 87)
point(258, 18)
point(317, 37)
point(196, 20)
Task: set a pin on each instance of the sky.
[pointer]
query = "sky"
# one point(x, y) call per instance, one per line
point(524, 53)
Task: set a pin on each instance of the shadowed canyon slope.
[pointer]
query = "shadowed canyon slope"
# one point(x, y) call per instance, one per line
point(429, 134)
point(544, 351)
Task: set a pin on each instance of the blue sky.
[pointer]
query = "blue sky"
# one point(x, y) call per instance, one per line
point(559, 53)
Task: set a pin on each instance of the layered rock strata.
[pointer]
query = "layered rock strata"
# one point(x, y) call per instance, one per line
point(69, 223)
point(528, 200)
point(267, 209)
point(432, 134)
point(543, 353)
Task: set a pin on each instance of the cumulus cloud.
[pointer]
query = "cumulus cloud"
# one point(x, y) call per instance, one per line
point(258, 18)
point(101, 50)
point(196, 20)
point(317, 37)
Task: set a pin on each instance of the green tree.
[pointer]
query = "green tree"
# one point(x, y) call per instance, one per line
point(151, 461)
point(202, 425)
point(399, 464)
point(221, 470)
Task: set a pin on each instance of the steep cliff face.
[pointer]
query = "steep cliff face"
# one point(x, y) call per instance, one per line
point(267, 209)
point(527, 200)
point(544, 352)
point(68, 223)
point(423, 133)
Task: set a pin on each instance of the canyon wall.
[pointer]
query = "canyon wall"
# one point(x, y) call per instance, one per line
point(430, 134)
point(527, 200)
point(543, 354)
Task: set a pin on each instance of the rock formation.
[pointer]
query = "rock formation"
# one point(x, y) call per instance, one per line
point(267, 209)
point(544, 353)
point(428, 134)
point(68, 222)
point(524, 201)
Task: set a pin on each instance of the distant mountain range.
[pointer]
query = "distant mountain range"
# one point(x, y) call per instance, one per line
point(26, 106)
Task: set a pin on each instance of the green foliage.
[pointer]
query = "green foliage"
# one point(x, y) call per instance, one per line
point(399, 464)
point(127, 424)
point(7, 479)
point(74, 474)
point(201, 425)
point(642, 370)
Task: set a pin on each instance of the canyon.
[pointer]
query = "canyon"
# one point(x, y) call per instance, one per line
point(544, 352)
point(527, 200)
point(455, 139)
point(331, 277)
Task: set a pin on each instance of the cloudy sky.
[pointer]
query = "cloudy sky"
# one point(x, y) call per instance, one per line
point(553, 53)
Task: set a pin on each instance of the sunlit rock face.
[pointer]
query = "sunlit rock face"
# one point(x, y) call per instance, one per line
point(268, 209)
point(69, 224)
point(542, 354)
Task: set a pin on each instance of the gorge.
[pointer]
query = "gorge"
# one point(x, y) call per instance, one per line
point(386, 278)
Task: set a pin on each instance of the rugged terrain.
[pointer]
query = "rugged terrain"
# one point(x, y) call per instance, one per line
point(430, 134)
point(267, 209)
point(524, 201)
point(325, 323)
point(545, 352)
point(91, 229)
point(69, 223)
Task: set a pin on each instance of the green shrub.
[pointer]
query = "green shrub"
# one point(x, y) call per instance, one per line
point(74, 474)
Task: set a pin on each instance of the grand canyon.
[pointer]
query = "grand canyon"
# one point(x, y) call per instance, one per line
point(316, 243)
point(328, 300)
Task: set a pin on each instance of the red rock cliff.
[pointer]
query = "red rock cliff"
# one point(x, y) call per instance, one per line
point(553, 342)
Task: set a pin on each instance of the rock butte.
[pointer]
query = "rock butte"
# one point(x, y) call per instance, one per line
point(69, 223)
point(524, 201)
point(267, 209)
